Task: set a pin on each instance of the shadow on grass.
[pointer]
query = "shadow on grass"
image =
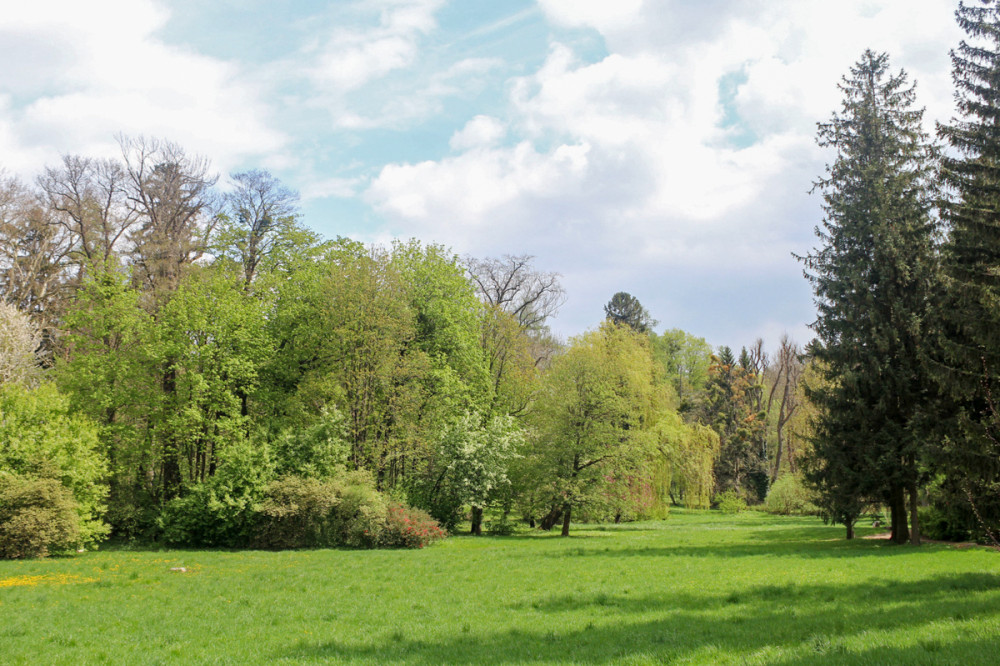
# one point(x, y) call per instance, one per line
point(815, 622)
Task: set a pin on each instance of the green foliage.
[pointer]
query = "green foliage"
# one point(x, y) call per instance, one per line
point(221, 511)
point(296, 512)
point(788, 496)
point(37, 517)
point(41, 437)
point(319, 449)
point(685, 360)
point(730, 501)
point(595, 418)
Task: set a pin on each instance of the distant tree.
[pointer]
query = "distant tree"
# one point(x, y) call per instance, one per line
point(873, 277)
point(782, 379)
point(259, 216)
point(170, 194)
point(87, 197)
point(685, 359)
point(512, 285)
point(625, 309)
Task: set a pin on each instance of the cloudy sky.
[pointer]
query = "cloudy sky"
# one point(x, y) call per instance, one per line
point(661, 147)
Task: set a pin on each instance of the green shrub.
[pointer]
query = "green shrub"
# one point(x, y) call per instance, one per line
point(788, 496)
point(41, 438)
point(37, 517)
point(297, 512)
point(222, 510)
point(730, 502)
point(406, 527)
point(946, 524)
point(360, 516)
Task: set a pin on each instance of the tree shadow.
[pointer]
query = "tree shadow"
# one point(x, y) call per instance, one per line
point(813, 619)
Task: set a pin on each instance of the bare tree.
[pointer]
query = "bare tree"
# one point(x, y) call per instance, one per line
point(170, 193)
point(258, 210)
point(513, 286)
point(34, 253)
point(784, 380)
point(87, 197)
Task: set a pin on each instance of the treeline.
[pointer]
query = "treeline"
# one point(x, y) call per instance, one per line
point(195, 366)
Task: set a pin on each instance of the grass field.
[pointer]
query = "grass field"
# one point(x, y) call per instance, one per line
point(698, 588)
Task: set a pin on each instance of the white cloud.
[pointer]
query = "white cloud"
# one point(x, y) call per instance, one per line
point(689, 146)
point(480, 132)
point(90, 74)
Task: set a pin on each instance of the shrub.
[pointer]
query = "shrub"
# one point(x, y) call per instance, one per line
point(730, 502)
point(789, 496)
point(297, 512)
point(361, 514)
point(41, 438)
point(946, 523)
point(406, 527)
point(222, 510)
point(37, 517)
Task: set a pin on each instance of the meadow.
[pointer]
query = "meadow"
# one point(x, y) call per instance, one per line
point(700, 587)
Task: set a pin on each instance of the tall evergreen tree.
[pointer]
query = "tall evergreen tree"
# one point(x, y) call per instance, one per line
point(625, 309)
point(969, 367)
point(872, 276)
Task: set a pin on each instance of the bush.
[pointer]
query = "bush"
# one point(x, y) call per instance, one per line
point(406, 527)
point(361, 515)
point(789, 496)
point(37, 517)
point(946, 523)
point(297, 512)
point(221, 511)
point(41, 438)
point(730, 502)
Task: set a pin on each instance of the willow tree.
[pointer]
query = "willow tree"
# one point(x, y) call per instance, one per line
point(595, 418)
point(872, 276)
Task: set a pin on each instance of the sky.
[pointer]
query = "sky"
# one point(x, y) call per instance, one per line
point(665, 148)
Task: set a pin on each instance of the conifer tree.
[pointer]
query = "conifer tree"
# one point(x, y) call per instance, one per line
point(872, 276)
point(968, 368)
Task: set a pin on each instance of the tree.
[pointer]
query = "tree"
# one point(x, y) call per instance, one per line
point(623, 308)
point(475, 458)
point(170, 195)
point(512, 285)
point(873, 277)
point(19, 343)
point(34, 255)
point(87, 198)
point(968, 366)
point(259, 217)
point(685, 360)
point(595, 418)
point(783, 379)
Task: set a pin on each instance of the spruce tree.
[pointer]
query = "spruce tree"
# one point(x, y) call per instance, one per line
point(872, 276)
point(968, 366)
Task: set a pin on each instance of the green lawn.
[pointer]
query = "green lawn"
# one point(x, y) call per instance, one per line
point(698, 588)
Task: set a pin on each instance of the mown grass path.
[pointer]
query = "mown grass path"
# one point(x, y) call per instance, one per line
point(698, 588)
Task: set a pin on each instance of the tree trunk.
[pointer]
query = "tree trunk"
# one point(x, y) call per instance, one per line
point(914, 519)
point(567, 510)
point(897, 507)
point(551, 518)
point(477, 521)
point(850, 529)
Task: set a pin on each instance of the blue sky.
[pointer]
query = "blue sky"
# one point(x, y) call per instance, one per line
point(660, 147)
